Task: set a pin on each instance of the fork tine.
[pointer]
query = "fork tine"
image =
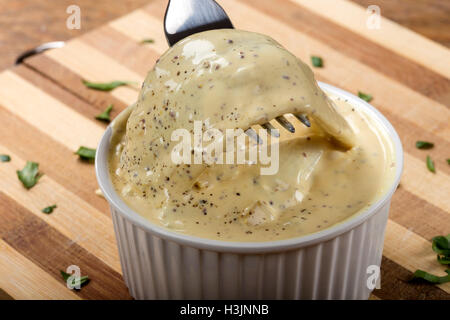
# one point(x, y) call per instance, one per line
point(252, 134)
point(303, 119)
point(272, 130)
point(285, 123)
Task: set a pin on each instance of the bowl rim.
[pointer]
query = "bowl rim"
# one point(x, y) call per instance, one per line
point(119, 206)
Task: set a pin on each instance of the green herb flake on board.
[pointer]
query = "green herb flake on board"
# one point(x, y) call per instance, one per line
point(440, 245)
point(420, 274)
point(105, 115)
point(365, 96)
point(106, 86)
point(81, 281)
point(86, 153)
point(145, 41)
point(29, 175)
point(317, 61)
point(430, 164)
point(49, 209)
point(5, 158)
point(424, 145)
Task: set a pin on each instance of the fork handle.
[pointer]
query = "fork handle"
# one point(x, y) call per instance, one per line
point(186, 17)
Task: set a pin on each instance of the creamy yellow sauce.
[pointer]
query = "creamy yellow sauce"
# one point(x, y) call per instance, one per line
point(237, 79)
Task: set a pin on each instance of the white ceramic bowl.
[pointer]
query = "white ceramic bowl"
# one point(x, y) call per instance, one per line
point(331, 264)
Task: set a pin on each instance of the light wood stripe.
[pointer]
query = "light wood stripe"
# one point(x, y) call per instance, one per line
point(48, 70)
point(74, 218)
point(411, 251)
point(51, 251)
point(352, 16)
point(72, 98)
point(47, 113)
point(58, 162)
point(96, 66)
point(145, 26)
point(426, 185)
point(22, 279)
point(137, 57)
point(418, 215)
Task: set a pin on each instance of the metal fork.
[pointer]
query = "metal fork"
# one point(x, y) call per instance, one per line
point(186, 17)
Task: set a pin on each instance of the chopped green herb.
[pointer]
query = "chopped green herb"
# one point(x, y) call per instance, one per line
point(81, 281)
point(86, 153)
point(144, 41)
point(5, 158)
point(420, 274)
point(107, 86)
point(443, 259)
point(424, 145)
point(365, 96)
point(430, 164)
point(448, 161)
point(317, 61)
point(49, 209)
point(441, 245)
point(29, 175)
point(105, 115)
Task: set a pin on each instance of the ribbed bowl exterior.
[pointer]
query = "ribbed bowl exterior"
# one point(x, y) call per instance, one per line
point(332, 264)
point(155, 268)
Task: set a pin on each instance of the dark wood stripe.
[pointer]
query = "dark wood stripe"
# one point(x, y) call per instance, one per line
point(5, 296)
point(52, 251)
point(397, 67)
point(418, 215)
point(431, 18)
point(71, 82)
point(395, 285)
point(133, 55)
point(54, 89)
point(55, 160)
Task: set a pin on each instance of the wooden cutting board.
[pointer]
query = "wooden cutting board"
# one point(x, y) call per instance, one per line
point(46, 114)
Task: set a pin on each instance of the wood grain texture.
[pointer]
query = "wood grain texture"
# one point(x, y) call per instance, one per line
point(25, 24)
point(430, 18)
point(358, 47)
point(46, 113)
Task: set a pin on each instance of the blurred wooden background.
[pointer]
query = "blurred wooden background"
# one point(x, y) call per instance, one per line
point(27, 23)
